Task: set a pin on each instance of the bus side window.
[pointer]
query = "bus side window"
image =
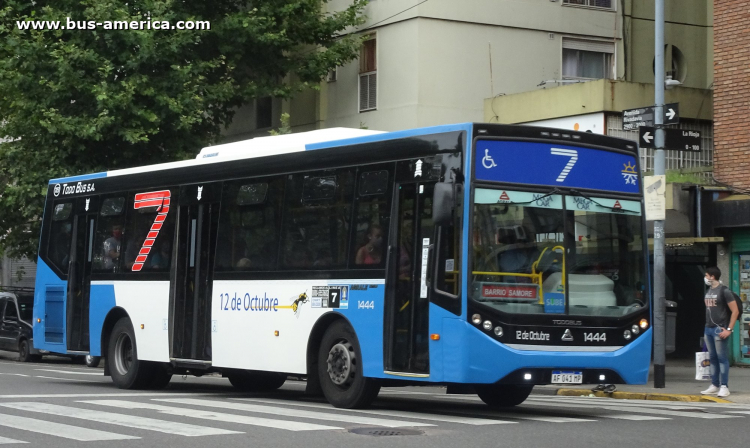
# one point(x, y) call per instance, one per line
point(317, 220)
point(60, 238)
point(109, 233)
point(249, 226)
point(371, 218)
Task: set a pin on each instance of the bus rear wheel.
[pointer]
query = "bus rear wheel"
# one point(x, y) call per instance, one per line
point(503, 396)
point(122, 358)
point(340, 369)
point(256, 381)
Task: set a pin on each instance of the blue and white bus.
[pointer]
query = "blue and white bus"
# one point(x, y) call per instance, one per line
point(482, 257)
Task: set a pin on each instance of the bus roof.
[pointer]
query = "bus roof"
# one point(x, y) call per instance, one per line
point(273, 145)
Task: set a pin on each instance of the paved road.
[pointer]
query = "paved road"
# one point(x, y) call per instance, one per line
point(55, 403)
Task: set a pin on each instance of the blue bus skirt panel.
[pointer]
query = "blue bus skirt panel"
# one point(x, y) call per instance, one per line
point(471, 356)
point(102, 302)
point(50, 301)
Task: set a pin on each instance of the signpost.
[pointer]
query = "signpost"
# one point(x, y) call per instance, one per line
point(675, 139)
point(632, 119)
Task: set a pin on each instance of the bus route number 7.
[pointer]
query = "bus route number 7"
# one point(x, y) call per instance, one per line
point(160, 201)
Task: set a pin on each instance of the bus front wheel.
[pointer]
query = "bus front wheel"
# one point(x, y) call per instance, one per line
point(122, 358)
point(503, 396)
point(340, 369)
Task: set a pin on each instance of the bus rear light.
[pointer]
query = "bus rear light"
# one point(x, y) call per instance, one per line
point(627, 335)
point(487, 325)
point(635, 329)
point(477, 319)
point(644, 324)
point(435, 337)
point(499, 332)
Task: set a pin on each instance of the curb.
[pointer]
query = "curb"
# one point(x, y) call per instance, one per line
point(641, 396)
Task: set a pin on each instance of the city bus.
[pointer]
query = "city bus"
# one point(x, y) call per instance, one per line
point(486, 258)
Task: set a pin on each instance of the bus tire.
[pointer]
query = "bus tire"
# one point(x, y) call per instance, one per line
point(503, 396)
point(122, 358)
point(256, 381)
point(340, 369)
point(160, 376)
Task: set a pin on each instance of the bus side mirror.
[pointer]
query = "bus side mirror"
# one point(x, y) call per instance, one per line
point(443, 203)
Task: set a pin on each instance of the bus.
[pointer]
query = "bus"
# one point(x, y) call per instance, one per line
point(486, 258)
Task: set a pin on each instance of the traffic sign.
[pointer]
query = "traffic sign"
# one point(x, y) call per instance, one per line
point(674, 139)
point(632, 119)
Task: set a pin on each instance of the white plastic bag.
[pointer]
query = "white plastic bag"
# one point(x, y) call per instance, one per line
point(702, 366)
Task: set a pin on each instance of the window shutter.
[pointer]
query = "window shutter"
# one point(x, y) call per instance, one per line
point(368, 93)
point(589, 45)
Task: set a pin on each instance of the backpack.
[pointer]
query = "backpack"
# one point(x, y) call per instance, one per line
point(737, 300)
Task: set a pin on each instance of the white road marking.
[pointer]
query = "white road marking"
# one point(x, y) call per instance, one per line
point(71, 372)
point(390, 412)
point(215, 416)
point(543, 418)
point(287, 412)
point(634, 417)
point(130, 421)
point(120, 394)
point(5, 440)
point(78, 380)
point(59, 429)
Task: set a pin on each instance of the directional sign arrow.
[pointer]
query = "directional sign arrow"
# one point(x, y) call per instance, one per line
point(647, 137)
point(671, 113)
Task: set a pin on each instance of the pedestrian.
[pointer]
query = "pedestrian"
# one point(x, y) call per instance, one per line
point(721, 314)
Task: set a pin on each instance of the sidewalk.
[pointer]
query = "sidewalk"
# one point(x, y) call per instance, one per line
point(680, 381)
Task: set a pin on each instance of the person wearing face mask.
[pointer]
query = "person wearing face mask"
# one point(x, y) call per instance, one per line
point(111, 248)
point(372, 251)
point(721, 314)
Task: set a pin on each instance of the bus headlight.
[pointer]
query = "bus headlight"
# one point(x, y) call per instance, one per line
point(627, 335)
point(499, 332)
point(644, 324)
point(487, 325)
point(635, 329)
point(477, 319)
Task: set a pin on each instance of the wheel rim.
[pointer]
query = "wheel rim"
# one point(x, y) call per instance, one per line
point(341, 362)
point(89, 359)
point(123, 354)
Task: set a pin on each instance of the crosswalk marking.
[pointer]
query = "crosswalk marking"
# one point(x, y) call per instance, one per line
point(7, 441)
point(288, 412)
point(541, 418)
point(645, 410)
point(389, 412)
point(58, 429)
point(635, 417)
point(70, 372)
point(215, 416)
point(130, 421)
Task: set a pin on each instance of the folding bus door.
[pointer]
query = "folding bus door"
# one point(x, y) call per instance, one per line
point(407, 296)
point(190, 316)
point(79, 274)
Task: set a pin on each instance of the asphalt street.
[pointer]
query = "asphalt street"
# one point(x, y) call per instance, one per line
point(58, 403)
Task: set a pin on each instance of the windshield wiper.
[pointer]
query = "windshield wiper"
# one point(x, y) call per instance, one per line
point(616, 210)
point(554, 191)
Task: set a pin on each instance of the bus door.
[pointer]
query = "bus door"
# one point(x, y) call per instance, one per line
point(79, 274)
point(407, 295)
point(190, 310)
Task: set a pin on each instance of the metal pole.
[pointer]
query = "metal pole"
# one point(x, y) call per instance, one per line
point(659, 169)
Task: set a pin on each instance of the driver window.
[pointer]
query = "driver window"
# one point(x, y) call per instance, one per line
point(10, 312)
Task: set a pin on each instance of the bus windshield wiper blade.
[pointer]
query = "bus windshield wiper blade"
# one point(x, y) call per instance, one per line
point(617, 210)
point(553, 191)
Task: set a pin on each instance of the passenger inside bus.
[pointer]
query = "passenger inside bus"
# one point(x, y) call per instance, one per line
point(371, 251)
point(111, 248)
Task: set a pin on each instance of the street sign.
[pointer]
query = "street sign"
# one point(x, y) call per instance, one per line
point(675, 139)
point(632, 119)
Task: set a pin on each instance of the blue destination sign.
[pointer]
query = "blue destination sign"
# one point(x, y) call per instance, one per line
point(555, 165)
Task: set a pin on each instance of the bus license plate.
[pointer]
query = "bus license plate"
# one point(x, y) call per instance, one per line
point(560, 377)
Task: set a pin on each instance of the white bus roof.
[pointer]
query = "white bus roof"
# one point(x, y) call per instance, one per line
point(256, 147)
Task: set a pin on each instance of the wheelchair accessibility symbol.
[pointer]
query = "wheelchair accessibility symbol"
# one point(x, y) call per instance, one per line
point(487, 161)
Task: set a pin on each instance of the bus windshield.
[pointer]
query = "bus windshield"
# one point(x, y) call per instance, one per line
point(557, 253)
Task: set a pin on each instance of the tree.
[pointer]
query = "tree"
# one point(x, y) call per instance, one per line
point(84, 100)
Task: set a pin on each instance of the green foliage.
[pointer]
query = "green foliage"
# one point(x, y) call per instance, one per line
point(285, 127)
point(77, 101)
